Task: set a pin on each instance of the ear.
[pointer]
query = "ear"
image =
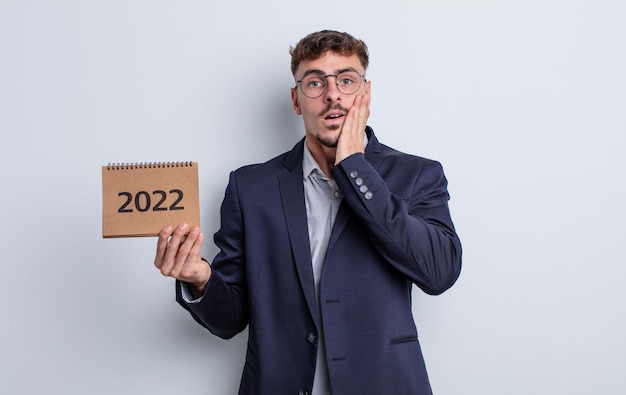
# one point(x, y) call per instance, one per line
point(296, 101)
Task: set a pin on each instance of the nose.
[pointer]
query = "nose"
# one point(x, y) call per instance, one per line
point(332, 93)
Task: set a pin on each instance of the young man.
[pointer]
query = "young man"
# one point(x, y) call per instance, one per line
point(320, 246)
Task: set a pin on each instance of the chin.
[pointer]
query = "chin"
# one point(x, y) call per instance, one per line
point(330, 143)
point(329, 140)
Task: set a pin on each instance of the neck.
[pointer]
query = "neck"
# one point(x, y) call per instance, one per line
point(323, 155)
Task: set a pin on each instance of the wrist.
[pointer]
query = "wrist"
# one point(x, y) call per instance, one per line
point(197, 288)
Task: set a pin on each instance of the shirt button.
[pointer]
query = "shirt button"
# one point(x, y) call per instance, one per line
point(311, 338)
point(337, 194)
point(369, 195)
point(353, 174)
point(359, 181)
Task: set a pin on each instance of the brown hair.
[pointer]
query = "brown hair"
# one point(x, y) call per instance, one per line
point(317, 44)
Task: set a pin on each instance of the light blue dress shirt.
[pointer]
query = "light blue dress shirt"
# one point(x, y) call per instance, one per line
point(322, 199)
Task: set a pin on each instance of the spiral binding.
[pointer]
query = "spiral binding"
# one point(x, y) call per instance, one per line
point(147, 165)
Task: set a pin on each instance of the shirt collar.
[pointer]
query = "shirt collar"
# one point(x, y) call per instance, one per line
point(309, 164)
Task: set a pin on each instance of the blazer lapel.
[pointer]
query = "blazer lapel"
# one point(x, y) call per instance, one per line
point(292, 195)
point(373, 148)
point(343, 215)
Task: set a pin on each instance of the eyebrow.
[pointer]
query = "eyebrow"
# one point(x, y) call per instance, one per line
point(323, 73)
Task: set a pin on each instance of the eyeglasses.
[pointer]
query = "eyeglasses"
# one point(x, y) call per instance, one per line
point(314, 85)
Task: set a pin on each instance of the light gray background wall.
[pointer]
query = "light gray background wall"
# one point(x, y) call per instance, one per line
point(522, 101)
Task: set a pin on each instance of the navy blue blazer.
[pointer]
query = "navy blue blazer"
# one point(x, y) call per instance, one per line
point(393, 229)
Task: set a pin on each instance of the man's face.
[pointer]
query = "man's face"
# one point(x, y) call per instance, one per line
point(323, 116)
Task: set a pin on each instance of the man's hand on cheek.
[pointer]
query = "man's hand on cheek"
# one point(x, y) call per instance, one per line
point(353, 129)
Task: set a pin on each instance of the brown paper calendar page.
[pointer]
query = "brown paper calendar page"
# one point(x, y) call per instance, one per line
point(140, 199)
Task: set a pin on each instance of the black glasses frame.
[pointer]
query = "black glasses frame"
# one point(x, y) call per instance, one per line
point(361, 80)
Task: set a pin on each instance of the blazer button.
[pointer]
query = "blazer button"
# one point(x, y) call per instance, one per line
point(358, 181)
point(363, 188)
point(369, 195)
point(311, 338)
point(353, 174)
point(303, 393)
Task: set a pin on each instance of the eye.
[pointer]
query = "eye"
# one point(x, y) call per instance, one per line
point(313, 82)
point(347, 79)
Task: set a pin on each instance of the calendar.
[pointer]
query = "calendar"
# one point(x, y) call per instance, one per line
point(140, 199)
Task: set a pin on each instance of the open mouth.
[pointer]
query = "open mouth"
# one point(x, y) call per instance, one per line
point(334, 116)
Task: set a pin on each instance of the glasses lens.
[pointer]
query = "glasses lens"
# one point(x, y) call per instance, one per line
point(349, 82)
point(313, 85)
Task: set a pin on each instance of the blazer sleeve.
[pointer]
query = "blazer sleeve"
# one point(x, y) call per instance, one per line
point(413, 232)
point(223, 309)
